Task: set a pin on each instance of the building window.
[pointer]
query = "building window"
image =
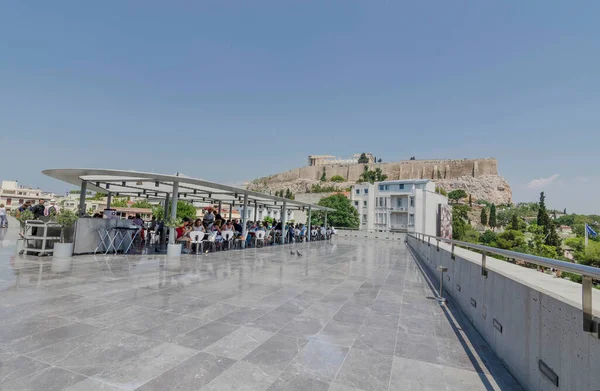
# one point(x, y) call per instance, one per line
point(8, 201)
point(385, 202)
point(380, 187)
point(364, 203)
point(364, 220)
point(356, 203)
point(411, 219)
point(20, 201)
point(412, 202)
point(366, 191)
point(401, 186)
point(357, 191)
point(399, 202)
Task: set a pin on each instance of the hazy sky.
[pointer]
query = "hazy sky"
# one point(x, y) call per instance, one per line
point(229, 91)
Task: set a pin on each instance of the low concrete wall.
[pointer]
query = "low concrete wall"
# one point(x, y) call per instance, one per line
point(371, 234)
point(524, 315)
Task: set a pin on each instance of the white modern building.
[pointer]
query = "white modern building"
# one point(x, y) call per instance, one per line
point(409, 205)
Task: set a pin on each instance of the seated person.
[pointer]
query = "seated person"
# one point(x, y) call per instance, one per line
point(199, 226)
point(238, 227)
point(182, 234)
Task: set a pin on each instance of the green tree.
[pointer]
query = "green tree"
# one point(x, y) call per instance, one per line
point(338, 178)
point(158, 212)
point(324, 175)
point(440, 191)
point(514, 222)
point(457, 195)
point(510, 239)
point(363, 159)
point(542, 217)
point(488, 238)
point(492, 220)
point(119, 203)
point(484, 218)
point(372, 176)
point(288, 193)
point(470, 200)
point(141, 204)
point(97, 197)
point(185, 209)
point(345, 214)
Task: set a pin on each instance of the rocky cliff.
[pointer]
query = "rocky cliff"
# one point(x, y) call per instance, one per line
point(478, 177)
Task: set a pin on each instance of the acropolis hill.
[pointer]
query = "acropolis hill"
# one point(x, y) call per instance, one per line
point(478, 177)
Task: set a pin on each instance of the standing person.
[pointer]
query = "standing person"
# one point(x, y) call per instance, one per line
point(209, 217)
point(3, 220)
point(39, 210)
point(52, 209)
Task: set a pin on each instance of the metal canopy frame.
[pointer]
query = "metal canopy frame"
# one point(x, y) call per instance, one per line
point(158, 186)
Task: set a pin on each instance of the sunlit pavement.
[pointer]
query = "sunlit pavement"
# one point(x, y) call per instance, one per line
point(346, 315)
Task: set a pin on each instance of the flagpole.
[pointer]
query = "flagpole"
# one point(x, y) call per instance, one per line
point(586, 235)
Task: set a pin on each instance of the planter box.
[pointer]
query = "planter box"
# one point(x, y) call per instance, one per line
point(63, 250)
point(173, 250)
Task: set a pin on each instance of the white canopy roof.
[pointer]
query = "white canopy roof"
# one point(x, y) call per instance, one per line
point(153, 185)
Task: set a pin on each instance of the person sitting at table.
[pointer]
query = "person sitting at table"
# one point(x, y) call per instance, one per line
point(229, 227)
point(181, 234)
point(238, 227)
point(216, 229)
point(199, 225)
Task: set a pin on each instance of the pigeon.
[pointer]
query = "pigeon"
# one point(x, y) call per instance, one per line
point(292, 252)
point(298, 253)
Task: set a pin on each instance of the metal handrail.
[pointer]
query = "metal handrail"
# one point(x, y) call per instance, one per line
point(586, 272)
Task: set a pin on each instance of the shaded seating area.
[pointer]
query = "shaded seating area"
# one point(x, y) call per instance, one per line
point(219, 232)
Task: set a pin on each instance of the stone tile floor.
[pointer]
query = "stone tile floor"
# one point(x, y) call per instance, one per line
point(348, 315)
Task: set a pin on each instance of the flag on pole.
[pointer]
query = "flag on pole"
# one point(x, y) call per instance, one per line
point(590, 231)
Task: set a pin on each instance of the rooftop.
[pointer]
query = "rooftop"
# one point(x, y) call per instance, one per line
point(351, 314)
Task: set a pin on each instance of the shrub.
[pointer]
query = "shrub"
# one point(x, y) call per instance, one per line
point(338, 178)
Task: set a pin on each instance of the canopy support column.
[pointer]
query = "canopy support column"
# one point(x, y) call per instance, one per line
point(230, 211)
point(108, 200)
point(325, 221)
point(308, 230)
point(245, 223)
point(283, 218)
point(82, 198)
point(255, 211)
point(220, 203)
point(174, 211)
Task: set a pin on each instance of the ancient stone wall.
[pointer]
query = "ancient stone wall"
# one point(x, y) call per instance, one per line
point(406, 169)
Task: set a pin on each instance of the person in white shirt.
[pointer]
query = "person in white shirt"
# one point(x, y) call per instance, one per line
point(3, 220)
point(51, 209)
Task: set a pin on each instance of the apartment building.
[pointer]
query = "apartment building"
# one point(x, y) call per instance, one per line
point(409, 205)
point(12, 195)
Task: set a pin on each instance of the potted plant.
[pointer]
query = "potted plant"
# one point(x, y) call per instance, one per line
point(65, 218)
point(173, 249)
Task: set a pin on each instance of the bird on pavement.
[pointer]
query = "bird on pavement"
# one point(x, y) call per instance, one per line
point(298, 253)
point(292, 252)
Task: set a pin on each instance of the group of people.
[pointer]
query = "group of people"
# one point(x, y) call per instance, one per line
point(214, 226)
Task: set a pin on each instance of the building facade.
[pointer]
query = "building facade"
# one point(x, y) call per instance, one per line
point(12, 195)
point(409, 205)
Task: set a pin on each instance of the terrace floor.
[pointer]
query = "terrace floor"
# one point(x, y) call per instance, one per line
point(347, 315)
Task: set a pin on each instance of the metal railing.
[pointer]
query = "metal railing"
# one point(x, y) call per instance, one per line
point(588, 273)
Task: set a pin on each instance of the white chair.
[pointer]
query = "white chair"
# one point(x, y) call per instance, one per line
point(323, 233)
point(211, 241)
point(227, 237)
point(297, 237)
point(197, 239)
point(259, 236)
point(313, 234)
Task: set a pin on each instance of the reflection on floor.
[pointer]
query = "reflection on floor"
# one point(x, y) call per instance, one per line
point(347, 315)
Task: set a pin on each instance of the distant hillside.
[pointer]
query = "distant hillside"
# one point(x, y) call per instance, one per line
point(478, 177)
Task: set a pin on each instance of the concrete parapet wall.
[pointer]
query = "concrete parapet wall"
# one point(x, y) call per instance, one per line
point(370, 234)
point(524, 315)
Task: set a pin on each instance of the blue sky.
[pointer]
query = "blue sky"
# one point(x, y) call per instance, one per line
point(230, 91)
